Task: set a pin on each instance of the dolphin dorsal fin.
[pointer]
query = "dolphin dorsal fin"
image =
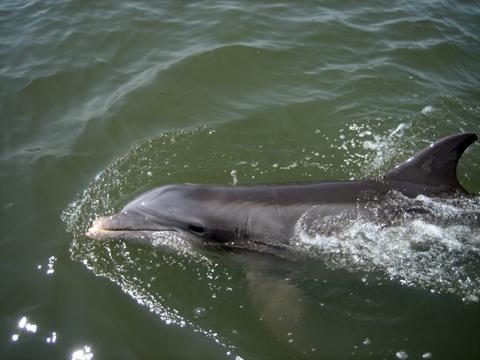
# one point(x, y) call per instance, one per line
point(436, 165)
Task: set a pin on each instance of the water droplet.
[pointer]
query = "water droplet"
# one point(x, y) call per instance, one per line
point(22, 322)
point(200, 312)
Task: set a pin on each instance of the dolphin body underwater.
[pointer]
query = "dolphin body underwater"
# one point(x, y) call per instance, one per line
point(263, 217)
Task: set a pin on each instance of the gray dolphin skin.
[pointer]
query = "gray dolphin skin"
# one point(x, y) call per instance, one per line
point(262, 216)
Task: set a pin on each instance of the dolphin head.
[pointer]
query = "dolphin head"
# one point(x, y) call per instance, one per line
point(201, 214)
point(166, 208)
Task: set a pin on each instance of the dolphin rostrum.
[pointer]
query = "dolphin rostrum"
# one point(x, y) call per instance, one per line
point(265, 215)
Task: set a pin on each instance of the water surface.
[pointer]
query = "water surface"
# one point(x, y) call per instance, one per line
point(101, 101)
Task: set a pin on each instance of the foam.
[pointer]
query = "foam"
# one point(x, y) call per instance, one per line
point(424, 242)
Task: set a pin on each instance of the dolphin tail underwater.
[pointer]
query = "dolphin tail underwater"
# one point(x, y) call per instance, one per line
point(264, 216)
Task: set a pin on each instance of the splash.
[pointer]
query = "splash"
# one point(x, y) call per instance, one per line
point(141, 271)
point(424, 242)
point(144, 272)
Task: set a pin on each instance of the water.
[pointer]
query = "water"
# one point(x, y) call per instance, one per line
point(102, 101)
point(423, 242)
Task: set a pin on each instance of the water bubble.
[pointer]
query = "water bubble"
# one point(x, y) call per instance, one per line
point(84, 354)
point(22, 322)
point(200, 312)
point(31, 328)
point(51, 340)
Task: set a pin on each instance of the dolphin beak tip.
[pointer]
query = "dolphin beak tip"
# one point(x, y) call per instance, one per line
point(91, 232)
point(94, 232)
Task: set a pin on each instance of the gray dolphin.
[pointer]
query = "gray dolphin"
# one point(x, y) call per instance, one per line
point(264, 216)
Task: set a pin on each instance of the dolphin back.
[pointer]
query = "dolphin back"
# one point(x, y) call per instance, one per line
point(436, 165)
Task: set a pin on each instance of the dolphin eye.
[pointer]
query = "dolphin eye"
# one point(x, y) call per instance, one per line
point(196, 228)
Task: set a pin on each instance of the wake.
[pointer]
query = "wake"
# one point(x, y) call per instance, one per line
point(424, 242)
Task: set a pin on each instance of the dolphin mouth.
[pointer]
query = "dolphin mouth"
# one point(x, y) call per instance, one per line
point(109, 228)
point(100, 234)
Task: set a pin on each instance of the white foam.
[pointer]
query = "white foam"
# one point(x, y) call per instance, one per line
point(399, 127)
point(424, 242)
point(427, 109)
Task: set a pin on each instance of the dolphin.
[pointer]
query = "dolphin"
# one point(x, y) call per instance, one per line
point(265, 215)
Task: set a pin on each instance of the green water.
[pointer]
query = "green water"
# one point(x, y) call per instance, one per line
point(101, 101)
